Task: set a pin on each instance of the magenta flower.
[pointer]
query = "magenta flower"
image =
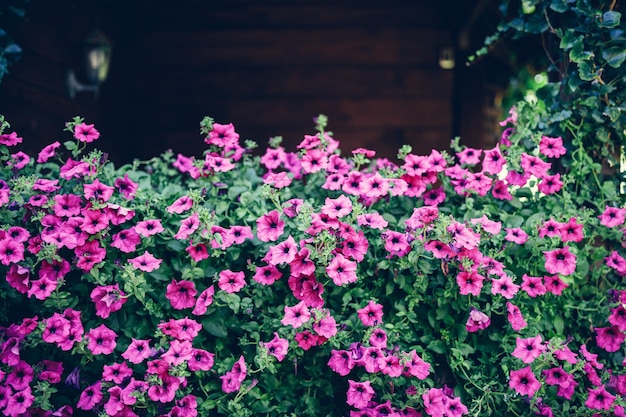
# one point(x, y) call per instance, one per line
point(231, 282)
point(396, 243)
point(42, 288)
point(560, 261)
point(371, 314)
point(178, 352)
point(338, 207)
point(90, 397)
point(550, 228)
point(528, 349)
point(599, 398)
point(609, 338)
point(10, 139)
point(554, 284)
point(181, 205)
point(514, 316)
point(524, 382)
point(415, 366)
point(19, 402)
point(148, 228)
point(146, 262)
point(270, 226)
point(86, 133)
point(533, 286)
point(516, 235)
point(306, 340)
point(534, 165)
point(550, 184)
point(504, 286)
point(11, 251)
point(126, 240)
point(200, 360)
point(359, 394)
point(500, 191)
point(470, 282)
point(326, 326)
point(612, 216)
point(476, 321)
point(552, 147)
point(277, 347)
point(572, 231)
point(296, 316)
point(469, 156)
point(205, 299)
point(222, 135)
point(341, 270)
point(267, 275)
point(493, 161)
point(181, 294)
point(98, 191)
point(107, 299)
point(116, 372)
point(137, 351)
point(187, 227)
point(101, 340)
point(126, 186)
point(283, 253)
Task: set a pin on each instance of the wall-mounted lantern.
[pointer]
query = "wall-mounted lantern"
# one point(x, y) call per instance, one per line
point(96, 55)
point(446, 58)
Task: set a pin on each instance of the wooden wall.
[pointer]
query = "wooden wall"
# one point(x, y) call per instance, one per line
point(268, 67)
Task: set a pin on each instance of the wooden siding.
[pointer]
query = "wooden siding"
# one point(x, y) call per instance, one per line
point(268, 68)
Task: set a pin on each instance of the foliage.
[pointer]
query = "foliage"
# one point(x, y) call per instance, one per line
point(585, 43)
point(10, 52)
point(309, 283)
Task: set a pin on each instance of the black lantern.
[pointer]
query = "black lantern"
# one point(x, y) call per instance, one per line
point(97, 57)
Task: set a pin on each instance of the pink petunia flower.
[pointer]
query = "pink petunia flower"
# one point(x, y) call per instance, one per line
point(504, 286)
point(341, 270)
point(524, 382)
point(470, 282)
point(231, 282)
point(612, 216)
point(599, 398)
point(359, 393)
point(533, 286)
point(516, 235)
point(270, 226)
point(560, 261)
point(101, 340)
point(528, 349)
point(476, 321)
point(181, 205)
point(205, 299)
point(188, 226)
point(145, 262)
point(371, 314)
point(550, 184)
point(552, 147)
point(609, 338)
point(296, 316)
point(277, 347)
point(514, 316)
point(138, 351)
point(181, 294)
point(107, 299)
point(126, 186)
point(48, 152)
point(149, 227)
point(86, 133)
point(493, 161)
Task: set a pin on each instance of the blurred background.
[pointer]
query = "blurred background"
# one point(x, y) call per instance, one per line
point(385, 73)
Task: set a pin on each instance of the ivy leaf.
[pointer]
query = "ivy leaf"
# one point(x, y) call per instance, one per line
point(559, 6)
point(614, 56)
point(585, 72)
point(612, 113)
point(611, 19)
point(578, 54)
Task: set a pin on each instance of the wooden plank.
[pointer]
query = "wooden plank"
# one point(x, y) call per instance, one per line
point(276, 48)
point(300, 82)
point(300, 14)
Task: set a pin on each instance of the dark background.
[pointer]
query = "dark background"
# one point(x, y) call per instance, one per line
point(268, 67)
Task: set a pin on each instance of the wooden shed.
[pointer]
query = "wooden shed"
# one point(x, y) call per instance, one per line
point(267, 66)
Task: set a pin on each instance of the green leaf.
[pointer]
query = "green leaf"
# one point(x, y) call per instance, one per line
point(611, 19)
point(585, 72)
point(559, 6)
point(559, 325)
point(70, 145)
point(578, 53)
point(614, 56)
point(215, 327)
point(437, 346)
point(612, 113)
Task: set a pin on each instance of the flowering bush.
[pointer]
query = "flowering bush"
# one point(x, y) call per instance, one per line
point(311, 283)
